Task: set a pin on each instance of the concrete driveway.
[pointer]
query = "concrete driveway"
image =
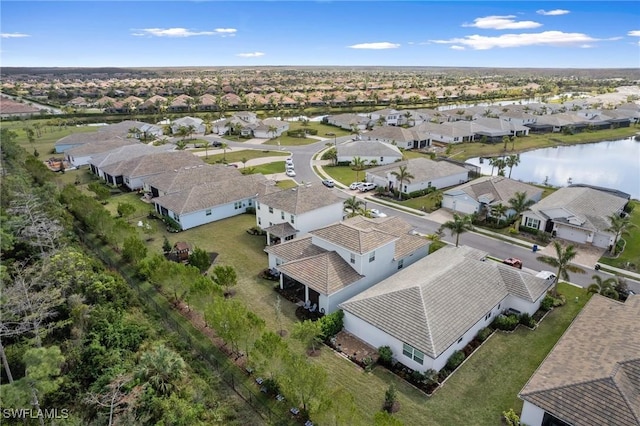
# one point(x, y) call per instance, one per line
point(587, 255)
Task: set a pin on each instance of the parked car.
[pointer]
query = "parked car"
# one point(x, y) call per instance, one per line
point(289, 161)
point(377, 213)
point(547, 275)
point(216, 144)
point(289, 166)
point(367, 186)
point(290, 172)
point(512, 261)
point(355, 185)
point(329, 183)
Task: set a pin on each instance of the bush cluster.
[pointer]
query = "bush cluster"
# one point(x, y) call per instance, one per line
point(527, 320)
point(484, 334)
point(385, 356)
point(455, 360)
point(506, 322)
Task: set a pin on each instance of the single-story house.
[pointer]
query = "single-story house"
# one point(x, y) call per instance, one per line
point(82, 154)
point(264, 128)
point(518, 117)
point(112, 131)
point(199, 127)
point(209, 202)
point(592, 374)
point(446, 133)
point(12, 108)
point(480, 195)
point(178, 180)
point(336, 262)
point(373, 152)
point(426, 174)
point(98, 162)
point(578, 213)
point(297, 211)
point(434, 307)
point(405, 138)
point(349, 121)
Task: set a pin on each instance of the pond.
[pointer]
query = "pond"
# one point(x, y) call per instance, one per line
point(611, 164)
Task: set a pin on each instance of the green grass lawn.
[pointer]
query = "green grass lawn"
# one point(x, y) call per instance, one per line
point(45, 144)
point(286, 184)
point(631, 253)
point(234, 156)
point(322, 129)
point(426, 203)
point(344, 174)
point(270, 168)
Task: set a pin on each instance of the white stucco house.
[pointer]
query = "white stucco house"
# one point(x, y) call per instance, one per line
point(209, 202)
point(436, 306)
point(98, 162)
point(578, 213)
point(480, 195)
point(334, 263)
point(199, 127)
point(426, 174)
point(349, 121)
point(262, 130)
point(178, 180)
point(399, 136)
point(372, 152)
point(297, 211)
point(590, 377)
point(81, 155)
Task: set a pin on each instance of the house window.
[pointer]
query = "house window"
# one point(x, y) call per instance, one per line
point(270, 209)
point(411, 352)
point(176, 217)
point(532, 223)
point(293, 219)
point(382, 159)
point(400, 263)
point(281, 215)
point(353, 258)
point(250, 202)
point(259, 221)
point(257, 205)
point(208, 212)
point(237, 205)
point(486, 317)
point(405, 188)
point(372, 256)
point(460, 340)
point(428, 184)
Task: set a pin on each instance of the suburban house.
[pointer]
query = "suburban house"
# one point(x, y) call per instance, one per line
point(446, 133)
point(334, 263)
point(480, 195)
point(518, 117)
point(372, 152)
point(112, 131)
point(436, 306)
point(297, 211)
point(187, 177)
point(426, 174)
point(578, 213)
point(388, 117)
point(591, 375)
point(209, 202)
point(132, 172)
point(405, 138)
point(98, 162)
point(199, 127)
point(349, 121)
point(82, 154)
point(270, 128)
point(11, 108)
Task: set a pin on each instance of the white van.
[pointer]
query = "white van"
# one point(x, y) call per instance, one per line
point(547, 275)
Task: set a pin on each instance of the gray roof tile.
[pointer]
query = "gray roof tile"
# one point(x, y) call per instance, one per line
point(300, 199)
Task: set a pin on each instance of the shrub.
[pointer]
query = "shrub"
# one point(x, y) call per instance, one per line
point(547, 303)
point(390, 399)
point(271, 385)
point(416, 377)
point(527, 320)
point(332, 324)
point(484, 334)
point(455, 360)
point(385, 356)
point(511, 418)
point(506, 322)
point(559, 301)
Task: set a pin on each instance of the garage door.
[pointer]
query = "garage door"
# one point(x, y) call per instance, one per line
point(571, 234)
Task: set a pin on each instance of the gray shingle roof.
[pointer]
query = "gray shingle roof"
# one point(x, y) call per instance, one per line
point(592, 375)
point(406, 243)
point(433, 302)
point(281, 230)
point(422, 169)
point(187, 177)
point(206, 196)
point(300, 199)
point(588, 204)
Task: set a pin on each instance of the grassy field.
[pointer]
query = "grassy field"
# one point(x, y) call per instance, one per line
point(270, 168)
point(631, 253)
point(45, 143)
point(322, 129)
point(238, 155)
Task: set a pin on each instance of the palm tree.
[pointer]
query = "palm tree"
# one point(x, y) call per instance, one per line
point(402, 175)
point(498, 211)
point(161, 368)
point(272, 130)
point(353, 206)
point(520, 203)
point(505, 141)
point(358, 164)
point(619, 226)
point(513, 142)
point(562, 262)
point(606, 287)
point(224, 147)
point(459, 225)
point(437, 197)
point(512, 161)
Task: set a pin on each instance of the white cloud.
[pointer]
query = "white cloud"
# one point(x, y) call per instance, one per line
point(183, 32)
point(250, 55)
point(506, 22)
point(634, 33)
point(13, 35)
point(456, 47)
point(375, 46)
point(546, 38)
point(554, 12)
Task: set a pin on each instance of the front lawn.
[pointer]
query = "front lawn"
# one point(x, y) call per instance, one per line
point(631, 253)
point(238, 155)
point(270, 168)
point(322, 129)
point(344, 174)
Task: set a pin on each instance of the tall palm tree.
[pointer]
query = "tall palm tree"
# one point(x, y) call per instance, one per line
point(562, 261)
point(272, 130)
point(437, 197)
point(505, 141)
point(513, 142)
point(498, 211)
point(520, 203)
point(606, 287)
point(459, 225)
point(511, 161)
point(402, 175)
point(224, 147)
point(619, 226)
point(501, 164)
point(358, 164)
point(206, 144)
point(353, 206)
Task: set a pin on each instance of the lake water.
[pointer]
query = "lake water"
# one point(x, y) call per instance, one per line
point(612, 164)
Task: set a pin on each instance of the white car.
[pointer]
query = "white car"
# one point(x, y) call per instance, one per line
point(290, 172)
point(367, 186)
point(289, 161)
point(547, 275)
point(377, 213)
point(355, 185)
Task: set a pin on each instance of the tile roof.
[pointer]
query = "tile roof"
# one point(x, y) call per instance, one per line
point(433, 302)
point(295, 249)
point(355, 240)
point(188, 177)
point(85, 137)
point(587, 204)
point(206, 196)
point(325, 272)
point(368, 148)
point(399, 134)
point(301, 199)
point(423, 169)
point(153, 164)
point(99, 147)
point(592, 374)
point(407, 242)
point(124, 153)
point(500, 188)
point(281, 230)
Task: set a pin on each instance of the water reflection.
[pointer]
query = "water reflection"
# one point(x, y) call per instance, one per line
point(613, 164)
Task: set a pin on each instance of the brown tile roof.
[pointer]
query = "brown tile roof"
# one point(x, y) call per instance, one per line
point(301, 199)
point(295, 249)
point(407, 242)
point(354, 239)
point(325, 272)
point(281, 230)
point(592, 375)
point(8, 106)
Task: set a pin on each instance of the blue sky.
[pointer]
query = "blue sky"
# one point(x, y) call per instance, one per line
point(575, 34)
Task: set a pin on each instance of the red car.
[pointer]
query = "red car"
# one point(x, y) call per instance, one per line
point(512, 261)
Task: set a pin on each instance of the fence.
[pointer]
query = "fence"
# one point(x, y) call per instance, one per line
point(207, 352)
